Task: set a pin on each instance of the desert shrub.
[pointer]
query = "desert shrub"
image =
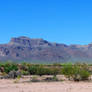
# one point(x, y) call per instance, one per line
point(41, 71)
point(67, 70)
point(76, 72)
point(84, 75)
point(55, 71)
point(25, 66)
point(24, 72)
point(10, 67)
point(83, 66)
point(33, 70)
point(48, 71)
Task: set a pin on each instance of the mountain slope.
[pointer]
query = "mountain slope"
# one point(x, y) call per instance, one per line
point(26, 49)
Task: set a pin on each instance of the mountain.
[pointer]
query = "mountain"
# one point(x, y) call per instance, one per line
point(40, 50)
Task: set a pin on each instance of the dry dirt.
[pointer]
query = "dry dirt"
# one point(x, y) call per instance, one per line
point(63, 86)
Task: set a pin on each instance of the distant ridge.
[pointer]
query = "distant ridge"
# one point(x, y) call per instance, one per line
point(39, 50)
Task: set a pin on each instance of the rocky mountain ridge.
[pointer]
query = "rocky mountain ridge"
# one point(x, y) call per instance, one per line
point(27, 49)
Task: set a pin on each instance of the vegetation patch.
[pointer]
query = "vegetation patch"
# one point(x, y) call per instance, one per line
point(76, 72)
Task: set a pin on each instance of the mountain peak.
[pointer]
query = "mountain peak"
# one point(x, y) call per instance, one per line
point(26, 41)
point(20, 38)
point(23, 40)
point(24, 37)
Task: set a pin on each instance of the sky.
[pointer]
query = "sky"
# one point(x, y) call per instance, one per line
point(61, 21)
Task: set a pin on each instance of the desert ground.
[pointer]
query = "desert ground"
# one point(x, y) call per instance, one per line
point(7, 85)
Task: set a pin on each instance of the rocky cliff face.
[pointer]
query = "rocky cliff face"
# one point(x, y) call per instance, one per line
point(26, 49)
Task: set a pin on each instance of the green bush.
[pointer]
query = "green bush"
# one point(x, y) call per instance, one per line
point(10, 67)
point(76, 72)
point(33, 70)
point(84, 74)
point(41, 70)
point(55, 71)
point(24, 72)
point(67, 70)
point(47, 71)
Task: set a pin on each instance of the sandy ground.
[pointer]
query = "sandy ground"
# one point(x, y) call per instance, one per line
point(64, 86)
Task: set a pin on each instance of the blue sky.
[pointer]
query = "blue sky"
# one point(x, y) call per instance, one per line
point(62, 21)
